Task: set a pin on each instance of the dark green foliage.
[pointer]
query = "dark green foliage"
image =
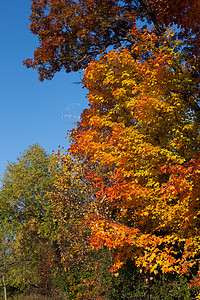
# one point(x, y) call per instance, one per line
point(132, 284)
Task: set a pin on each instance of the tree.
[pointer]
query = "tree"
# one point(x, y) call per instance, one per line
point(74, 32)
point(71, 33)
point(86, 270)
point(144, 138)
point(27, 227)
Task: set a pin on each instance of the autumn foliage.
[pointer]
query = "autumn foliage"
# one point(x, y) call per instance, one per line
point(185, 14)
point(123, 202)
point(71, 33)
point(143, 138)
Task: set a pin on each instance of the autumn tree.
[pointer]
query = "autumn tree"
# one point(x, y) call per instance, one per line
point(71, 33)
point(87, 271)
point(144, 138)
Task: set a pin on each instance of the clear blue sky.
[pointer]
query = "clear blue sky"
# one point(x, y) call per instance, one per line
point(31, 111)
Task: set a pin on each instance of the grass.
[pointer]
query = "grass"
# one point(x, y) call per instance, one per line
point(29, 297)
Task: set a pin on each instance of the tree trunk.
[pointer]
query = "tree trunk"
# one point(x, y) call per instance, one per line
point(4, 287)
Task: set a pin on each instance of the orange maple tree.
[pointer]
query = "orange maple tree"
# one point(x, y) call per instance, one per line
point(143, 139)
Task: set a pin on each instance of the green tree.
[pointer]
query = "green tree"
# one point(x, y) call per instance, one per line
point(27, 230)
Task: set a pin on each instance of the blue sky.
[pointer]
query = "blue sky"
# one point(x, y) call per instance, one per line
point(31, 111)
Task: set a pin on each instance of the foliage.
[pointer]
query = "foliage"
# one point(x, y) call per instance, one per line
point(126, 198)
point(131, 283)
point(71, 33)
point(144, 138)
point(86, 270)
point(184, 14)
point(26, 223)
